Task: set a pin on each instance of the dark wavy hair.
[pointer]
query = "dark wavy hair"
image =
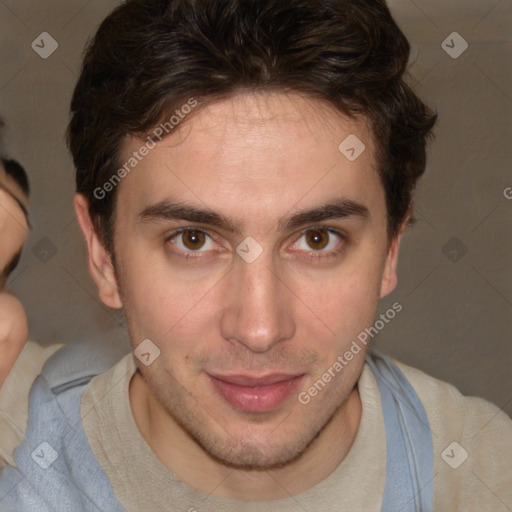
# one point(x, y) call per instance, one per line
point(16, 171)
point(149, 56)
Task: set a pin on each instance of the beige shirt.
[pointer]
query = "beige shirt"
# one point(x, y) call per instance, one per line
point(483, 482)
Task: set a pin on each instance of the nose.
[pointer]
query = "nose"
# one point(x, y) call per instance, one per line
point(258, 310)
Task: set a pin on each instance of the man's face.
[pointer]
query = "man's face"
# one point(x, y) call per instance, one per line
point(223, 321)
point(13, 222)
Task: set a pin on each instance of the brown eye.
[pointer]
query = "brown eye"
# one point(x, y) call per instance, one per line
point(317, 239)
point(193, 240)
point(192, 243)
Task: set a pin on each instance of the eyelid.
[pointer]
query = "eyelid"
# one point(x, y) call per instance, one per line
point(184, 229)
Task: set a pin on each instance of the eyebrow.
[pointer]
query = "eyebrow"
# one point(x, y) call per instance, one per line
point(19, 203)
point(335, 209)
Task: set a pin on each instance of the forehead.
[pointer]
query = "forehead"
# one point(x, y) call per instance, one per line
point(255, 153)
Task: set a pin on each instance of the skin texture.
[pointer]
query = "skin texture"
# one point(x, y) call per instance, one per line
point(13, 332)
point(13, 233)
point(255, 159)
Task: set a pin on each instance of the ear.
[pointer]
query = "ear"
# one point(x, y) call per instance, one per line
point(100, 262)
point(389, 279)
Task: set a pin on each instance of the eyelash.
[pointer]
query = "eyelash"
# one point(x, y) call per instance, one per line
point(311, 254)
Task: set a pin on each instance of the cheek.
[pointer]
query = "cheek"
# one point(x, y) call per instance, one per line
point(145, 295)
point(162, 307)
point(345, 300)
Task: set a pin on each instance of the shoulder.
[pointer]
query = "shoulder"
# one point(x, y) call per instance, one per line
point(472, 441)
point(14, 396)
point(447, 407)
point(54, 436)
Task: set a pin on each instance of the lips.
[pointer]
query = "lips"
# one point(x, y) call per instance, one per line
point(255, 394)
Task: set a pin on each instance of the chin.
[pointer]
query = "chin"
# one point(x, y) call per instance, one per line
point(251, 457)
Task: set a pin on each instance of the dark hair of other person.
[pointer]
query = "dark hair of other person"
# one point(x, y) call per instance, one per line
point(149, 57)
point(16, 172)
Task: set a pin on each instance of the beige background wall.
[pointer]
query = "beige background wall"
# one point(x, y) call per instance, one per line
point(456, 321)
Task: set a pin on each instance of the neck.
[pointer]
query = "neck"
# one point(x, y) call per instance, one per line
point(184, 457)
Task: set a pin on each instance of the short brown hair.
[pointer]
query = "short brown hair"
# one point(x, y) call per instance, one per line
point(149, 56)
